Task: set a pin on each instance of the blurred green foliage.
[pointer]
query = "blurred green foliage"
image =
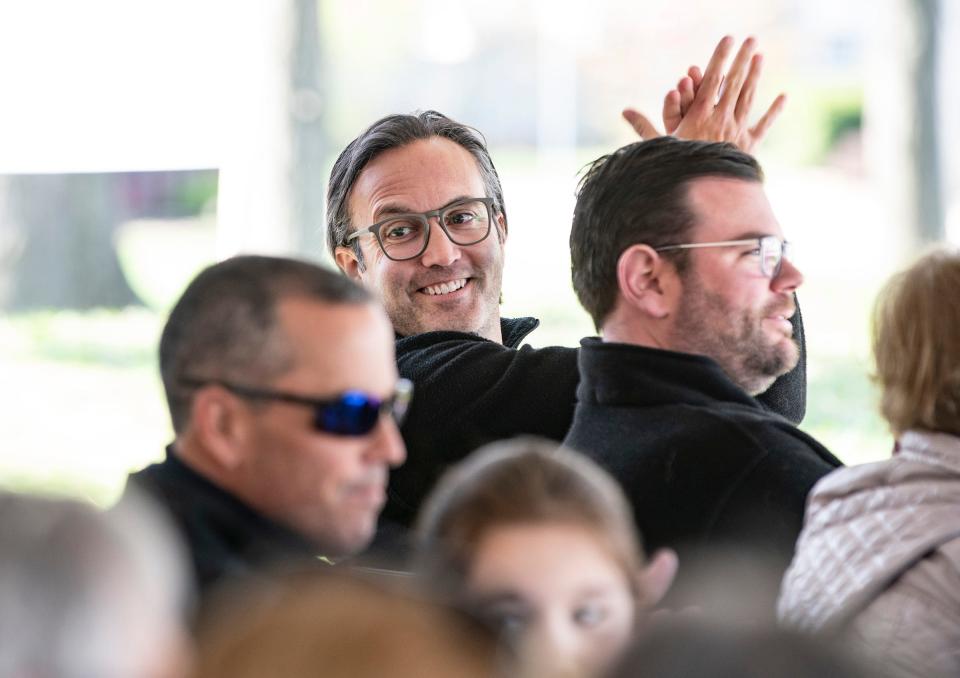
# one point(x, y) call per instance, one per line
point(816, 118)
point(198, 194)
point(113, 338)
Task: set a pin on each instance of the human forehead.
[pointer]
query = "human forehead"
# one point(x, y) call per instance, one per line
point(726, 208)
point(418, 177)
point(337, 347)
point(541, 560)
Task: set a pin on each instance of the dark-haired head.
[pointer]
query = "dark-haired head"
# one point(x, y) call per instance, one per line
point(225, 327)
point(387, 133)
point(638, 194)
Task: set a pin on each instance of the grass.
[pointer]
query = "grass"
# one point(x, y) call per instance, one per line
point(74, 427)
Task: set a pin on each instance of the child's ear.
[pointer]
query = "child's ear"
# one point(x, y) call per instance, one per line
point(657, 577)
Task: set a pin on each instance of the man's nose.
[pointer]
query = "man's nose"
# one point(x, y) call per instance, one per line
point(441, 251)
point(387, 444)
point(788, 279)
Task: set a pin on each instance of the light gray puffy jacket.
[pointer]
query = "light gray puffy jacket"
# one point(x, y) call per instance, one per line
point(879, 557)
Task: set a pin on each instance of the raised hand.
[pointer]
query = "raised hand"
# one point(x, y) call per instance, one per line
point(714, 107)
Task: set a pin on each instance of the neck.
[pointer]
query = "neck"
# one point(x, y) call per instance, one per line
point(627, 330)
point(191, 453)
point(491, 330)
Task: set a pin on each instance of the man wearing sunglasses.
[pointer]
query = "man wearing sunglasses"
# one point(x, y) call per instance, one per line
point(283, 390)
point(415, 211)
point(679, 260)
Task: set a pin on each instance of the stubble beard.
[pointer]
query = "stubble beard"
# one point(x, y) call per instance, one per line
point(707, 325)
point(409, 317)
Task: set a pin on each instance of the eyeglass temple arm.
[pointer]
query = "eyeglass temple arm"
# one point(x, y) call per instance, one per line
point(690, 246)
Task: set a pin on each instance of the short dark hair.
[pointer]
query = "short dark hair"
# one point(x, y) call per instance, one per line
point(224, 326)
point(391, 132)
point(638, 194)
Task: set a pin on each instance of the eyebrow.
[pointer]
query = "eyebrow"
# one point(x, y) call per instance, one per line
point(591, 592)
point(499, 598)
point(749, 235)
point(393, 208)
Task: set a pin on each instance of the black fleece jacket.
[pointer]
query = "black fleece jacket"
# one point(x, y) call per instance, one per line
point(703, 464)
point(470, 391)
point(226, 538)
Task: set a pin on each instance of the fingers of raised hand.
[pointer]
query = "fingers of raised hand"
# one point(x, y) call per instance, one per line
point(745, 102)
point(640, 123)
point(673, 110)
point(759, 131)
point(733, 83)
point(687, 91)
point(696, 75)
point(709, 89)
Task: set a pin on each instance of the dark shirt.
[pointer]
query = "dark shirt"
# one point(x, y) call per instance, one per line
point(701, 461)
point(471, 391)
point(226, 538)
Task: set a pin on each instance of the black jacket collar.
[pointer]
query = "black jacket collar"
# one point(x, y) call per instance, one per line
point(626, 374)
point(513, 330)
point(225, 535)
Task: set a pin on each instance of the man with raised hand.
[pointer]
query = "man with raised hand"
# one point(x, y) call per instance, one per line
point(415, 212)
point(678, 258)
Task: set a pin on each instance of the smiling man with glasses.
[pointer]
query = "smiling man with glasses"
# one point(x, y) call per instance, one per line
point(416, 213)
point(681, 263)
point(285, 401)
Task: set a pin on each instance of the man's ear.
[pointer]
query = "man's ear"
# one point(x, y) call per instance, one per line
point(657, 577)
point(501, 224)
point(348, 262)
point(646, 280)
point(221, 424)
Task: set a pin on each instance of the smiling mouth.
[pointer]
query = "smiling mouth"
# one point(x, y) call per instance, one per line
point(440, 289)
point(782, 323)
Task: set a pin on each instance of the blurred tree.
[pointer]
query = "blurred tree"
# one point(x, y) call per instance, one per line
point(58, 243)
point(927, 174)
point(308, 113)
point(272, 177)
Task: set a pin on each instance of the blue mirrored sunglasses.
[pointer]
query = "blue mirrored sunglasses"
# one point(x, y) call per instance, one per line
point(352, 413)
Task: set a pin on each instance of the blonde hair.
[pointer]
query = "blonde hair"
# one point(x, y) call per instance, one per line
point(522, 481)
point(916, 345)
point(340, 626)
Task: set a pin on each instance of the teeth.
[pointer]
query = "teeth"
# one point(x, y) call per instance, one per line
point(445, 287)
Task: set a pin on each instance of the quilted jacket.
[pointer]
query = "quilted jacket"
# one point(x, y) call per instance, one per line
point(879, 557)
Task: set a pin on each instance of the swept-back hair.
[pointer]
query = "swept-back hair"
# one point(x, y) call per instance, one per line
point(638, 194)
point(394, 131)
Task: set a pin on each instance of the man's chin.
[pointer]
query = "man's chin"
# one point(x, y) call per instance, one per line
point(348, 542)
point(457, 318)
point(761, 371)
point(790, 353)
point(452, 323)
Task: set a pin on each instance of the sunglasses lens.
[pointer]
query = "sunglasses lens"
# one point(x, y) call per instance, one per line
point(354, 414)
